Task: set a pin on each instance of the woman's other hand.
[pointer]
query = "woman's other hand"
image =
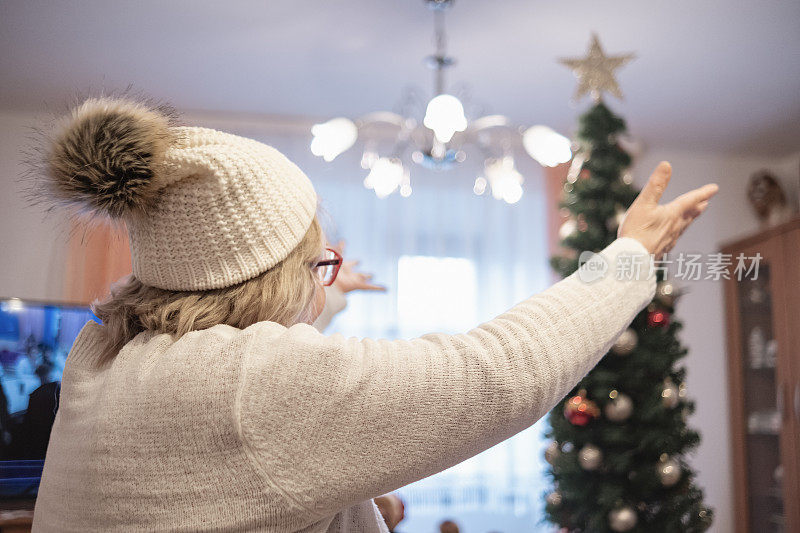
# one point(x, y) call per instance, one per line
point(392, 509)
point(656, 226)
point(349, 280)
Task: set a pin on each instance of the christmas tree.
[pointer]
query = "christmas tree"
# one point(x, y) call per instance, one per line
point(620, 437)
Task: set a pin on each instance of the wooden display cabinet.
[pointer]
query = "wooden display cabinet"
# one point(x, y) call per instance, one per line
point(763, 323)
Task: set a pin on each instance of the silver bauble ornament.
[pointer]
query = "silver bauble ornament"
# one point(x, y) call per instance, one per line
point(554, 498)
point(622, 519)
point(669, 470)
point(552, 452)
point(577, 164)
point(619, 408)
point(568, 228)
point(626, 342)
point(590, 457)
point(665, 293)
point(670, 395)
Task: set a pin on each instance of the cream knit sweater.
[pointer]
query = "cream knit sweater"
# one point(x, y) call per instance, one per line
point(287, 430)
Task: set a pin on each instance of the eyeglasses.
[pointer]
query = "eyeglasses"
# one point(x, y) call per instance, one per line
point(328, 268)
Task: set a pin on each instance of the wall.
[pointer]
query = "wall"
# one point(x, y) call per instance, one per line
point(32, 246)
point(34, 250)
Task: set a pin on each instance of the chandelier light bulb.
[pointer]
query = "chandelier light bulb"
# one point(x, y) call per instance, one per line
point(546, 146)
point(333, 137)
point(480, 185)
point(385, 176)
point(504, 179)
point(368, 158)
point(445, 116)
point(512, 193)
point(405, 184)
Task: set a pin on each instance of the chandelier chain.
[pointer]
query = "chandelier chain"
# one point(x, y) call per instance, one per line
point(440, 41)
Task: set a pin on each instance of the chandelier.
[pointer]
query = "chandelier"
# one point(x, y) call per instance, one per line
point(444, 138)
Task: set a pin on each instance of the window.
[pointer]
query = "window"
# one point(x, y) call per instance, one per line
point(436, 290)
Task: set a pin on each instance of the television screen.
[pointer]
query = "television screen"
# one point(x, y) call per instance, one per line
point(35, 339)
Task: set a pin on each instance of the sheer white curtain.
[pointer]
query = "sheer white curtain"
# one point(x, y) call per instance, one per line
point(506, 246)
point(449, 260)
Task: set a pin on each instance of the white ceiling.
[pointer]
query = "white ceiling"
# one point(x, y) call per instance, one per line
point(718, 75)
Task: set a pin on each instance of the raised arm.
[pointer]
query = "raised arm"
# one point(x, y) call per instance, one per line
point(335, 302)
point(338, 420)
point(332, 421)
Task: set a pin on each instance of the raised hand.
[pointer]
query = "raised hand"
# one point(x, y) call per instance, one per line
point(349, 280)
point(656, 226)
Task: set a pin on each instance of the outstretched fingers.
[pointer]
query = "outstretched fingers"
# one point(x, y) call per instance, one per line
point(365, 284)
point(656, 184)
point(699, 208)
point(688, 213)
point(694, 202)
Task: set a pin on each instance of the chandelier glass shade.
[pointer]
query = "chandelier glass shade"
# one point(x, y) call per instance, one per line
point(442, 139)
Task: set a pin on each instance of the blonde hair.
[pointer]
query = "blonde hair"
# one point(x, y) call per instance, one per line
point(282, 294)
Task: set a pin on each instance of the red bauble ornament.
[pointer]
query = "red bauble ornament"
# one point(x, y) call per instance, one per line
point(658, 318)
point(579, 410)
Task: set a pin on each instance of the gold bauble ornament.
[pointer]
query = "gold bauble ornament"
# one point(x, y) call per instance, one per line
point(669, 470)
point(666, 293)
point(552, 452)
point(625, 343)
point(554, 498)
point(622, 519)
point(670, 394)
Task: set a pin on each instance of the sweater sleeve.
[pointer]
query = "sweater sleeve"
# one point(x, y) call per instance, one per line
point(331, 421)
point(335, 302)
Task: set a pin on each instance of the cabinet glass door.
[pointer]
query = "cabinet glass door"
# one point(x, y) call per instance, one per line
point(762, 404)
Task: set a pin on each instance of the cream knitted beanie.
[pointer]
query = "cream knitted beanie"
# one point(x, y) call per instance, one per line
point(204, 209)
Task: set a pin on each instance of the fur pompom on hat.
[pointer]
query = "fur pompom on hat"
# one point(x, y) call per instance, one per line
point(204, 209)
point(105, 156)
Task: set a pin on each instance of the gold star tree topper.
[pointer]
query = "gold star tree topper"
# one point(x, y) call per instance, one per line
point(595, 72)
